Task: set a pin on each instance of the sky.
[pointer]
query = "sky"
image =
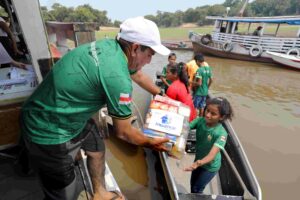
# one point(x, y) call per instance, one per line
point(123, 9)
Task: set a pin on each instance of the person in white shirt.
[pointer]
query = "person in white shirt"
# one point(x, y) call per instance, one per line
point(258, 31)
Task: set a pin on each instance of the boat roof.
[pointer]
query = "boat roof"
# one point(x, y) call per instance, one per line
point(291, 20)
point(76, 26)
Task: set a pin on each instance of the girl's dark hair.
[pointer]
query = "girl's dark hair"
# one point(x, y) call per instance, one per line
point(224, 106)
point(179, 69)
point(171, 54)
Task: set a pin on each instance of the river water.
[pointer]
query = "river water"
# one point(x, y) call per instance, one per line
point(266, 101)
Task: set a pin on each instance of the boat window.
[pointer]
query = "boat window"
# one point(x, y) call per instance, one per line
point(63, 37)
point(286, 30)
point(223, 27)
point(17, 76)
point(241, 28)
point(60, 37)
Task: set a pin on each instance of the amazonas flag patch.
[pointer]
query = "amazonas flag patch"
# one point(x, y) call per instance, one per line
point(223, 138)
point(125, 99)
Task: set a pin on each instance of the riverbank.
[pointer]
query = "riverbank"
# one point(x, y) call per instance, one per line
point(181, 33)
point(168, 34)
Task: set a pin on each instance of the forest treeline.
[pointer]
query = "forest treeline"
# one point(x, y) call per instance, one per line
point(86, 13)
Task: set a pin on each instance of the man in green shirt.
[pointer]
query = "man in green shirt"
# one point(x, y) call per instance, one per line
point(56, 120)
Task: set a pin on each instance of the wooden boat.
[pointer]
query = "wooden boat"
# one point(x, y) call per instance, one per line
point(139, 172)
point(292, 61)
point(227, 41)
point(178, 45)
point(235, 179)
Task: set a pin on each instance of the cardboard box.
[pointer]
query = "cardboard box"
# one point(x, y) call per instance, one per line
point(9, 126)
point(170, 119)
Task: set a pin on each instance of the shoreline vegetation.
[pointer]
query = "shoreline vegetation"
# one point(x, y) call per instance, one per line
point(181, 33)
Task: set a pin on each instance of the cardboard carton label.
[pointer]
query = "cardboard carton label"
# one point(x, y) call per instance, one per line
point(165, 121)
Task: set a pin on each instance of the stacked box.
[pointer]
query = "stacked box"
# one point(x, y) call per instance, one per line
point(9, 126)
point(170, 119)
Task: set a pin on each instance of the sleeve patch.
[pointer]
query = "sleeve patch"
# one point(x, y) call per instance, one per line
point(125, 99)
point(223, 138)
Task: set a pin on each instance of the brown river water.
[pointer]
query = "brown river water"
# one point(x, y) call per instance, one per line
point(266, 101)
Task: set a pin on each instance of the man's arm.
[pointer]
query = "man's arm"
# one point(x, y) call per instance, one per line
point(127, 132)
point(145, 82)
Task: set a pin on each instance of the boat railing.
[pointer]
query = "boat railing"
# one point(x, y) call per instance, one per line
point(169, 176)
point(267, 43)
point(277, 44)
point(246, 164)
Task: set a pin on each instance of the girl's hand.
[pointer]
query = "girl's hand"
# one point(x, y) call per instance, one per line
point(194, 166)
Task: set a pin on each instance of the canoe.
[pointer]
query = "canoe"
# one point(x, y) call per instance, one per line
point(178, 45)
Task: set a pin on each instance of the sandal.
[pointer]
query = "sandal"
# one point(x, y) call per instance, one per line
point(118, 195)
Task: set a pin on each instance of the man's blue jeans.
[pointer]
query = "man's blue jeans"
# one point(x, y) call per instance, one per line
point(200, 178)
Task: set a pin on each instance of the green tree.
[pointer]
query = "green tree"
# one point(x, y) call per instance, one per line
point(218, 10)
point(152, 18)
point(190, 15)
point(61, 13)
point(47, 16)
point(81, 14)
point(2, 12)
point(117, 23)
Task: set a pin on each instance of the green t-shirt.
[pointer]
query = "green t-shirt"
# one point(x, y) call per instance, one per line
point(164, 74)
point(206, 137)
point(204, 73)
point(78, 85)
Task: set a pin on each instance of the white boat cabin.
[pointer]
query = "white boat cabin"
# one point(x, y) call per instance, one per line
point(40, 51)
point(277, 34)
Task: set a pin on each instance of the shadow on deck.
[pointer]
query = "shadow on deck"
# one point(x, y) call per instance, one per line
point(15, 185)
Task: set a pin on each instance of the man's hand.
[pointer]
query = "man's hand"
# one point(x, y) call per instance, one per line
point(157, 144)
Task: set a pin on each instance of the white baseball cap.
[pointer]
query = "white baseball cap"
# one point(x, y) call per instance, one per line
point(142, 31)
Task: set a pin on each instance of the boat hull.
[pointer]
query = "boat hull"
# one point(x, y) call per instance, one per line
point(178, 46)
point(208, 50)
point(287, 60)
point(227, 182)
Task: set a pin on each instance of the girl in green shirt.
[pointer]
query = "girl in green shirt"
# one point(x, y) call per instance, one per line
point(210, 138)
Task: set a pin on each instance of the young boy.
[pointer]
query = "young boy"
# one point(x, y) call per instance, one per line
point(201, 83)
point(172, 61)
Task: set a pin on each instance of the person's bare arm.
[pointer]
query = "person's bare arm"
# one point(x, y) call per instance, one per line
point(6, 29)
point(164, 80)
point(127, 132)
point(197, 82)
point(19, 64)
point(145, 82)
point(208, 158)
point(210, 80)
